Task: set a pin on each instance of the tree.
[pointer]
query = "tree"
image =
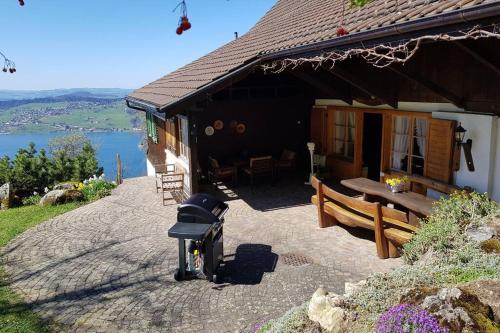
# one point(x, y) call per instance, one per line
point(86, 164)
point(71, 144)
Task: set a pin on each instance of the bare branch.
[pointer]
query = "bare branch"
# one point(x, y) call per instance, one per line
point(381, 55)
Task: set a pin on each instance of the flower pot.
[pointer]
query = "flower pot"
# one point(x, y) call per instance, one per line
point(396, 188)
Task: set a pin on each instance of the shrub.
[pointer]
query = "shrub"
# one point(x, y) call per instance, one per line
point(439, 254)
point(443, 232)
point(96, 188)
point(406, 318)
point(32, 200)
point(33, 171)
point(290, 322)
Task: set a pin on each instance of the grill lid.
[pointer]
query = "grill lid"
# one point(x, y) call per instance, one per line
point(201, 208)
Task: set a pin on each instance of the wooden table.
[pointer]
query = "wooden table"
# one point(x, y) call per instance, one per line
point(415, 202)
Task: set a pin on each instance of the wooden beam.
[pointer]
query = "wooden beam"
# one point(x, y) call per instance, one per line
point(432, 86)
point(359, 83)
point(318, 84)
point(478, 57)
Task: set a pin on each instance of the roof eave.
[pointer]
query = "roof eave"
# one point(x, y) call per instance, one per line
point(455, 17)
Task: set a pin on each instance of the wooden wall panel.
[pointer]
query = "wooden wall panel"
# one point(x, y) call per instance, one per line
point(156, 151)
point(440, 149)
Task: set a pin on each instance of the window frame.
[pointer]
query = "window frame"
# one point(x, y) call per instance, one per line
point(410, 144)
point(151, 127)
point(183, 138)
point(345, 141)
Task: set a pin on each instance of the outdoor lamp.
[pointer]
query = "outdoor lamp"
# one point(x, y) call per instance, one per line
point(460, 134)
point(311, 146)
point(467, 145)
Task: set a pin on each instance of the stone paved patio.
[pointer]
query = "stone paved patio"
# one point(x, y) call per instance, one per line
point(108, 266)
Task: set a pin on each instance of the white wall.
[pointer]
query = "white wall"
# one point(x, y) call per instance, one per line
point(150, 168)
point(496, 171)
point(483, 132)
point(172, 159)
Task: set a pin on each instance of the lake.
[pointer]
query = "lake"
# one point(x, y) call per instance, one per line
point(108, 145)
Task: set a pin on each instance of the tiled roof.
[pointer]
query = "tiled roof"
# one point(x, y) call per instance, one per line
point(290, 24)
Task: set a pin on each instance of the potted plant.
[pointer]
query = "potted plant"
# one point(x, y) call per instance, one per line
point(396, 184)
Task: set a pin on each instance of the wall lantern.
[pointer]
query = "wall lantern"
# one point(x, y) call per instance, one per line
point(467, 146)
point(460, 134)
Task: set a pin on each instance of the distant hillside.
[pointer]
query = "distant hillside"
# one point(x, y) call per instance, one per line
point(6, 95)
point(76, 110)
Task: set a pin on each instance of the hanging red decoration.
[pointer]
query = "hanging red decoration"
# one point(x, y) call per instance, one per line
point(8, 65)
point(341, 31)
point(184, 23)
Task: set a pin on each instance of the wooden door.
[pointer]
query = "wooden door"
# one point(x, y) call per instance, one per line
point(318, 122)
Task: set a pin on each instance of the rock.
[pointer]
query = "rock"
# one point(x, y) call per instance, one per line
point(55, 197)
point(484, 232)
point(350, 288)
point(330, 317)
point(66, 186)
point(458, 309)
point(488, 292)
point(6, 196)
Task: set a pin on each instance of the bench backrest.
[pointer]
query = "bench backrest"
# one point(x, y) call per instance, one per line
point(365, 214)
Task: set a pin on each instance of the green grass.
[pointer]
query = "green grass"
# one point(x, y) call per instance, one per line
point(17, 220)
point(15, 316)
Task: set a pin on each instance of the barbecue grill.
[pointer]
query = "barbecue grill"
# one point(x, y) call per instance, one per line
point(200, 220)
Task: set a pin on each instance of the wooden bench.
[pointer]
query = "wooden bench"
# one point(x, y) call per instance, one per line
point(390, 226)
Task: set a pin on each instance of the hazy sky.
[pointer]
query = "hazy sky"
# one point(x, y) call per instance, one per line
point(112, 43)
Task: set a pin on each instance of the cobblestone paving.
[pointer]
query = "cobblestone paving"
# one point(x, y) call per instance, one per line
point(108, 266)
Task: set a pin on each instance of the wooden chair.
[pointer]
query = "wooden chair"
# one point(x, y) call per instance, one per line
point(286, 161)
point(260, 167)
point(389, 225)
point(162, 169)
point(216, 173)
point(173, 184)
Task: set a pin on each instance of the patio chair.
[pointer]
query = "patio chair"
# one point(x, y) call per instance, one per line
point(173, 184)
point(217, 173)
point(162, 169)
point(260, 167)
point(286, 161)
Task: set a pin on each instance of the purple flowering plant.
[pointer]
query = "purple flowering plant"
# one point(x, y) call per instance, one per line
point(407, 318)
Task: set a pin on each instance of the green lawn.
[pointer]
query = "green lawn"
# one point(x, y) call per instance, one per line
point(15, 316)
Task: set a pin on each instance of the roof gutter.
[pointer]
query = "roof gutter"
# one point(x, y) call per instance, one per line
point(454, 17)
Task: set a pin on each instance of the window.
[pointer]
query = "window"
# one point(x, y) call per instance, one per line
point(409, 143)
point(183, 138)
point(152, 132)
point(344, 134)
point(170, 133)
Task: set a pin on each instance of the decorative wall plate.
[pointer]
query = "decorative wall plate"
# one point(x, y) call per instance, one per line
point(218, 124)
point(241, 128)
point(209, 130)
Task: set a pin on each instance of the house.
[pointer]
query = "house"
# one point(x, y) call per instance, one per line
point(379, 89)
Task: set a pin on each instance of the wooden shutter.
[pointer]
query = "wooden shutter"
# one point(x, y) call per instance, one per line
point(440, 149)
point(318, 129)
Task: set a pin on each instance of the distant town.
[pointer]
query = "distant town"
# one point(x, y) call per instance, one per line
point(72, 112)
